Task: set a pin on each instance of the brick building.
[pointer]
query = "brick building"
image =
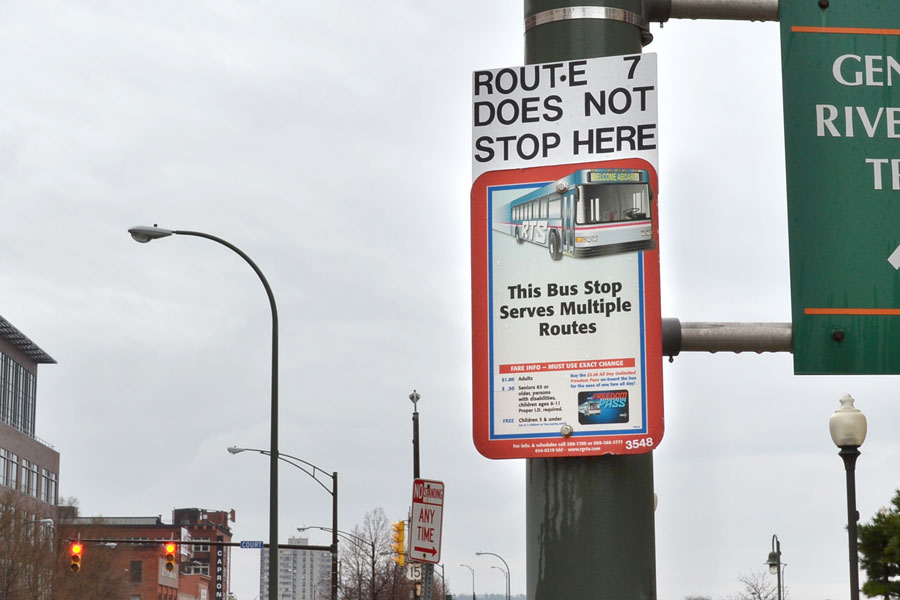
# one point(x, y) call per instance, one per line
point(202, 571)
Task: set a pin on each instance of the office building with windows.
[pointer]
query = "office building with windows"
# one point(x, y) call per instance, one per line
point(29, 466)
point(302, 574)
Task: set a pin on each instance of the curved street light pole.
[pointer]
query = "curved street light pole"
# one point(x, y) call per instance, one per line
point(504, 564)
point(354, 539)
point(473, 579)
point(505, 577)
point(301, 464)
point(143, 235)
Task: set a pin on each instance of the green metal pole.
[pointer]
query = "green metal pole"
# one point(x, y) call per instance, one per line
point(589, 521)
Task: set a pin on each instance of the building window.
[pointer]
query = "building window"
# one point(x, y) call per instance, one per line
point(52, 499)
point(35, 480)
point(26, 474)
point(45, 485)
point(201, 547)
point(3, 399)
point(13, 470)
point(136, 572)
point(198, 569)
point(4, 466)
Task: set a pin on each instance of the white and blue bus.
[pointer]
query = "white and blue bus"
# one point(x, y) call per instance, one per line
point(592, 212)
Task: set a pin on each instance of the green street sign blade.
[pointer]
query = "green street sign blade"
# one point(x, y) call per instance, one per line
point(841, 86)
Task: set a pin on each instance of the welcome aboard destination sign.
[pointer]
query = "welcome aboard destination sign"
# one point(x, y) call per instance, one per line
point(567, 344)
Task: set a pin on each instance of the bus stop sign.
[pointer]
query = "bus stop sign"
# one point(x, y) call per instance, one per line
point(841, 88)
point(567, 345)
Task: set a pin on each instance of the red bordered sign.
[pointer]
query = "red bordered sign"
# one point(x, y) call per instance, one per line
point(426, 520)
point(567, 342)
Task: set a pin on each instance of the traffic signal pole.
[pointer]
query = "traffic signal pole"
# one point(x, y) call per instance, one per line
point(589, 521)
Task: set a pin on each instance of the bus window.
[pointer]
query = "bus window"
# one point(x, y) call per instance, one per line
point(554, 211)
point(604, 203)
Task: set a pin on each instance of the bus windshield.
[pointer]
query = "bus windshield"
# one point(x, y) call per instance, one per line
point(608, 203)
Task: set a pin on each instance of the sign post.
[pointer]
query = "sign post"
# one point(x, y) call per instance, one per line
point(426, 521)
point(567, 346)
point(841, 87)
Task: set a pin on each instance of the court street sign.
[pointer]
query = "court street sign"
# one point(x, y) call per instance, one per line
point(567, 345)
point(841, 87)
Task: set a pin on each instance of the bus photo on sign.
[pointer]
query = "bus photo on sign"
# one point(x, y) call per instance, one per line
point(591, 212)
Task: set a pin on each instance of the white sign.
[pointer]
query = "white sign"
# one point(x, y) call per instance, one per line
point(414, 571)
point(565, 259)
point(426, 520)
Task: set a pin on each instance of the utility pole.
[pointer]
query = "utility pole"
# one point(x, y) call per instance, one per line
point(428, 568)
point(585, 512)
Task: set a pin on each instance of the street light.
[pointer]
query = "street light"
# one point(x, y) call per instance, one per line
point(505, 577)
point(473, 579)
point(775, 564)
point(504, 564)
point(145, 234)
point(848, 431)
point(355, 539)
point(305, 466)
point(414, 397)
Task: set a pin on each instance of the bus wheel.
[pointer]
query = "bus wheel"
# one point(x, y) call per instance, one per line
point(555, 252)
point(519, 238)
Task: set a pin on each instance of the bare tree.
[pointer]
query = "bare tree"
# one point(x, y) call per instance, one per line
point(35, 559)
point(367, 571)
point(27, 549)
point(758, 585)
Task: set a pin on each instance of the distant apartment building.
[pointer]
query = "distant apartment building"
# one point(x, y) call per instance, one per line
point(302, 574)
point(202, 571)
point(29, 467)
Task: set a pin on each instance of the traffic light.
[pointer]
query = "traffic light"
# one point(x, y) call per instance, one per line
point(75, 552)
point(170, 548)
point(399, 542)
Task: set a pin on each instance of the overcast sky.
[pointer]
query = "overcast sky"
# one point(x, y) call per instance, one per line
point(332, 143)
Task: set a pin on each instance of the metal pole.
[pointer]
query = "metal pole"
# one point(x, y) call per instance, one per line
point(776, 547)
point(428, 571)
point(504, 564)
point(849, 454)
point(415, 419)
point(372, 590)
point(473, 579)
point(273, 419)
point(564, 543)
point(334, 535)
point(737, 10)
point(725, 337)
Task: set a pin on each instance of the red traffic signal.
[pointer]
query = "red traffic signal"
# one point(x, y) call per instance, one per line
point(170, 548)
point(75, 551)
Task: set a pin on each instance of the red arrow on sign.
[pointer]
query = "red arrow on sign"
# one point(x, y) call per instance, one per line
point(430, 551)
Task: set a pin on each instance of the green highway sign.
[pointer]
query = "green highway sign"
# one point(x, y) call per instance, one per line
point(841, 86)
